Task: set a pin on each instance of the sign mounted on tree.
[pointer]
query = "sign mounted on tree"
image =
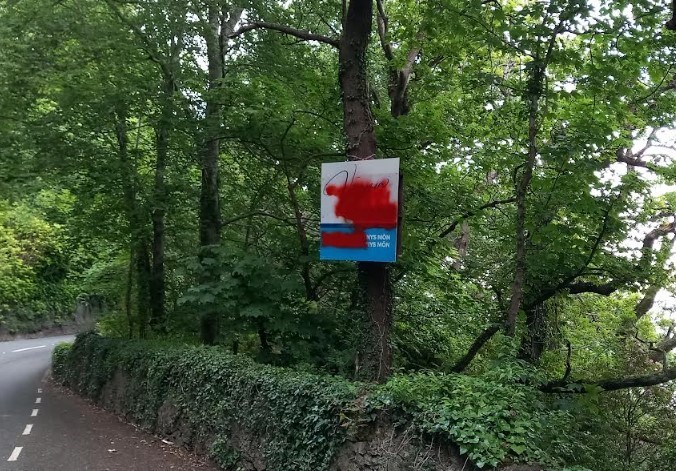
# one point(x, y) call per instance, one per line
point(360, 210)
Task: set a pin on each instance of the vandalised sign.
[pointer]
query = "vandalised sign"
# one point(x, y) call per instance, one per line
point(359, 210)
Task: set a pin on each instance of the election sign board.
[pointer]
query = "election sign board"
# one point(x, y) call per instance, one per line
point(360, 210)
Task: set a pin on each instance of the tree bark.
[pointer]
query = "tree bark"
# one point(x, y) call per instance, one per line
point(518, 284)
point(157, 281)
point(128, 294)
point(220, 26)
point(534, 93)
point(357, 117)
point(263, 338)
point(374, 278)
point(310, 291)
point(534, 340)
point(143, 272)
point(614, 384)
point(136, 221)
point(210, 217)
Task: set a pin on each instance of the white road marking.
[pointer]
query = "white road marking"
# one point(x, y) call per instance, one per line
point(15, 454)
point(39, 390)
point(27, 430)
point(28, 348)
point(38, 400)
point(34, 413)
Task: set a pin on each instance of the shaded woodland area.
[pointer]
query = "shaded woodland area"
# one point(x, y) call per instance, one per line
point(164, 157)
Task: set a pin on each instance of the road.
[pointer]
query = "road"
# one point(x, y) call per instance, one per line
point(44, 427)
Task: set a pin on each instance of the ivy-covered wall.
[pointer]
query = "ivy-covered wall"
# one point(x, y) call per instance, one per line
point(206, 397)
point(248, 416)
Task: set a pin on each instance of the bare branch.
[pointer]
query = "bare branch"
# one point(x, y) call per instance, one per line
point(473, 212)
point(605, 289)
point(257, 213)
point(646, 302)
point(382, 31)
point(297, 33)
point(635, 159)
point(614, 384)
point(478, 343)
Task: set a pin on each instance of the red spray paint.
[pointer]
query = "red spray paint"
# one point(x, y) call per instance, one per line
point(366, 205)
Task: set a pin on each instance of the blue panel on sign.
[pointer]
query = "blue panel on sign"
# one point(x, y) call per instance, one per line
point(381, 245)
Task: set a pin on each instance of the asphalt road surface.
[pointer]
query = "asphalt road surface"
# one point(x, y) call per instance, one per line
point(44, 427)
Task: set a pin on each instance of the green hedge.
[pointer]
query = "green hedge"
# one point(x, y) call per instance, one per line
point(295, 416)
point(301, 419)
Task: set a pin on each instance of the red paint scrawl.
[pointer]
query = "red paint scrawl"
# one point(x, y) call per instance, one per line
point(366, 205)
point(345, 240)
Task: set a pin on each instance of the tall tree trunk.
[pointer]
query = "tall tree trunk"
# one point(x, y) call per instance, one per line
point(518, 283)
point(218, 29)
point(136, 220)
point(374, 278)
point(533, 94)
point(157, 280)
point(210, 215)
point(310, 291)
point(143, 274)
point(534, 340)
point(128, 294)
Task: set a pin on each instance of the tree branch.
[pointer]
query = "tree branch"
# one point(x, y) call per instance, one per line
point(661, 231)
point(257, 213)
point(535, 91)
point(153, 53)
point(468, 214)
point(545, 294)
point(382, 31)
point(636, 159)
point(643, 381)
point(664, 346)
point(605, 289)
point(399, 78)
point(298, 33)
point(671, 24)
point(646, 302)
point(478, 343)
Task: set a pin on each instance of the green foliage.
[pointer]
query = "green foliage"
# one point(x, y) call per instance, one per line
point(295, 416)
point(301, 419)
point(262, 310)
point(37, 288)
point(491, 418)
point(85, 101)
point(60, 359)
